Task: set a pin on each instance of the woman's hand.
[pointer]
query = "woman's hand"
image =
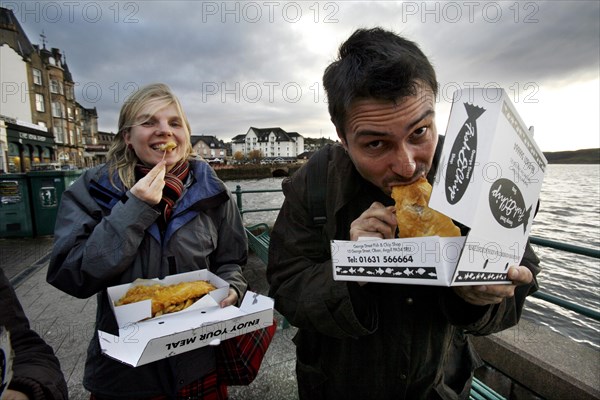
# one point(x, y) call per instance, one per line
point(149, 188)
point(377, 221)
point(230, 300)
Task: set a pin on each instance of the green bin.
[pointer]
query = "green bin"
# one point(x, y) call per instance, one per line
point(15, 206)
point(47, 188)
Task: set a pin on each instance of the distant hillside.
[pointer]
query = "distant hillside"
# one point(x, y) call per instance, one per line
point(584, 156)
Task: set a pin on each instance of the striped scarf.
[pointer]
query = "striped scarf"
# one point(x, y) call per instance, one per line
point(173, 187)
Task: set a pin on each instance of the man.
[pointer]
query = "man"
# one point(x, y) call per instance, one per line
point(377, 341)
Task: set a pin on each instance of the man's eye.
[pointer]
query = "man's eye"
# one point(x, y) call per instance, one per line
point(420, 132)
point(374, 145)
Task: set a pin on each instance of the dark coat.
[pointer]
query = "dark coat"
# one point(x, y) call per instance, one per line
point(106, 237)
point(36, 370)
point(378, 341)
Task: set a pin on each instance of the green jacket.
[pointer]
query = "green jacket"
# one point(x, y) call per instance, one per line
point(378, 341)
point(106, 237)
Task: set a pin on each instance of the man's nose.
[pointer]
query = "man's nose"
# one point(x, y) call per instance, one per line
point(404, 163)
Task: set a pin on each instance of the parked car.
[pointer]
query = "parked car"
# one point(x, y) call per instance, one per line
point(46, 167)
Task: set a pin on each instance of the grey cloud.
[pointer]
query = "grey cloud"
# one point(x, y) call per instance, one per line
point(187, 46)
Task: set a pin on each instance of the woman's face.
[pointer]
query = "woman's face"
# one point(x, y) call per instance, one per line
point(151, 131)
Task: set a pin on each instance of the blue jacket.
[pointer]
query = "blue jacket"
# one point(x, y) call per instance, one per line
point(106, 237)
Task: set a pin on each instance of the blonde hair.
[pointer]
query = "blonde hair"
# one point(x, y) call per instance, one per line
point(148, 100)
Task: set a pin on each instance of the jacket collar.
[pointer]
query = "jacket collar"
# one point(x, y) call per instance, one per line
point(206, 191)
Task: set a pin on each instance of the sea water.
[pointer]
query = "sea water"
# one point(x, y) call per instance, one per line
point(569, 213)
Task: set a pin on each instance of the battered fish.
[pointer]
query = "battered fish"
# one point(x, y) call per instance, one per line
point(414, 217)
point(167, 298)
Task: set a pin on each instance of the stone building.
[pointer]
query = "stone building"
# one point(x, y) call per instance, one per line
point(271, 142)
point(42, 121)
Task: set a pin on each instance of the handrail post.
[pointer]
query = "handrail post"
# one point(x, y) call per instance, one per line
point(238, 196)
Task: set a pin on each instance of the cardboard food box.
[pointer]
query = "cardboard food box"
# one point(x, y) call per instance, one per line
point(141, 340)
point(489, 179)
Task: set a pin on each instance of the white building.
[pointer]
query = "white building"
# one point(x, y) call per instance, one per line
point(271, 142)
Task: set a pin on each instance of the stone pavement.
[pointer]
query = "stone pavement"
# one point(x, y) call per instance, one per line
point(67, 323)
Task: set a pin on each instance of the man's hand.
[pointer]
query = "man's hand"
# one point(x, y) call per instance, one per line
point(377, 222)
point(493, 294)
point(149, 188)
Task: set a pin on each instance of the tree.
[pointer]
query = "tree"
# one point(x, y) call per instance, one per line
point(255, 156)
point(238, 156)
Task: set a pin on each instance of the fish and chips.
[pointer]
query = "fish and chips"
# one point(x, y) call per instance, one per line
point(415, 218)
point(167, 298)
point(167, 146)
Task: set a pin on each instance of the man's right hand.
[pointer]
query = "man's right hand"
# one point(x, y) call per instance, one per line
point(377, 221)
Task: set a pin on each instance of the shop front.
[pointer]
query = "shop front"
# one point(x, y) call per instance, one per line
point(28, 146)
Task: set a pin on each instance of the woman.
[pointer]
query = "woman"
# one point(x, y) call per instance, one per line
point(148, 213)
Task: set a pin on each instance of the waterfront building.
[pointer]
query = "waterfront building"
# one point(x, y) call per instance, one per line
point(96, 147)
point(209, 148)
point(42, 121)
point(271, 142)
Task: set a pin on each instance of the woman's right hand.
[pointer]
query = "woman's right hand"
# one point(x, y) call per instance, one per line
point(149, 188)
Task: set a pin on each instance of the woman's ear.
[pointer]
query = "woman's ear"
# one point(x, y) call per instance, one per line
point(126, 137)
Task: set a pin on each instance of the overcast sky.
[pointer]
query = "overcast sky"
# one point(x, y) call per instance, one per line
point(260, 63)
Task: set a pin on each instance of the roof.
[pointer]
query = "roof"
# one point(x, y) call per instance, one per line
point(210, 141)
point(13, 34)
point(238, 138)
point(280, 135)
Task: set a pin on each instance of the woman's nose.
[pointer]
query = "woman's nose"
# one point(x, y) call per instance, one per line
point(164, 128)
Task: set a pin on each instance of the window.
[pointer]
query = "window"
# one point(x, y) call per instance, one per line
point(70, 113)
point(58, 134)
point(56, 86)
point(58, 109)
point(39, 103)
point(37, 76)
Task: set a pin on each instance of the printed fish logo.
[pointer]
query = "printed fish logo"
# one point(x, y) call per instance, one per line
point(461, 160)
point(507, 204)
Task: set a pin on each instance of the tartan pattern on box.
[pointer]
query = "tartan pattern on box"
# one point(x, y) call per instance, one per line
point(210, 387)
point(239, 358)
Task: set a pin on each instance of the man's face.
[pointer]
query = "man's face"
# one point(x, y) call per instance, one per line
point(392, 144)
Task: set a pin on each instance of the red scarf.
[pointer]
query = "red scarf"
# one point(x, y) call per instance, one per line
point(174, 185)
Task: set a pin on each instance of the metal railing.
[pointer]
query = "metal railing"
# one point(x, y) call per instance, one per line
point(550, 298)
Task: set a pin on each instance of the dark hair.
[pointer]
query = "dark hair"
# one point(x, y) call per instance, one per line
point(378, 64)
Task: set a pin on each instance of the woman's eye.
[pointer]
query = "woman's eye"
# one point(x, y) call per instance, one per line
point(147, 123)
point(176, 124)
